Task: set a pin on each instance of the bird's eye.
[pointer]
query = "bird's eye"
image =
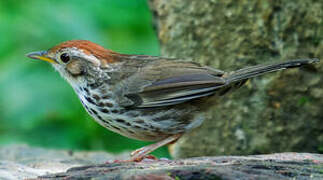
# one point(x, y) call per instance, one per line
point(65, 57)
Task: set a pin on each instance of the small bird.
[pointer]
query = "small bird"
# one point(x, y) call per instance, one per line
point(147, 98)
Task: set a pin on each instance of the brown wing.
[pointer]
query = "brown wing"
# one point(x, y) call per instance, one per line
point(167, 82)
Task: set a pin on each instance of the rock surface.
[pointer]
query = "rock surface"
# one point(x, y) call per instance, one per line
point(23, 162)
point(274, 166)
point(274, 113)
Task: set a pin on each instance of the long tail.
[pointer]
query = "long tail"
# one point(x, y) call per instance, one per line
point(253, 71)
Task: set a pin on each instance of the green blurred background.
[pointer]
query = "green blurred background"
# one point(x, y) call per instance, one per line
point(37, 107)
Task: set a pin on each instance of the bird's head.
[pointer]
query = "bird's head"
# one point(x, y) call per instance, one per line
point(78, 61)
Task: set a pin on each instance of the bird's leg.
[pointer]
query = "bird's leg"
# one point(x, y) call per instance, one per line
point(140, 153)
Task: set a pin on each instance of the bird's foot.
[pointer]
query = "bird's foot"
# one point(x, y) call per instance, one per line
point(146, 158)
point(141, 154)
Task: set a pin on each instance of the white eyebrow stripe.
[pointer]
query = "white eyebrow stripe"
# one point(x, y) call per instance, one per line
point(79, 52)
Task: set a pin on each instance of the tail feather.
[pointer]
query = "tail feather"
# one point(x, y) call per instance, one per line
point(254, 71)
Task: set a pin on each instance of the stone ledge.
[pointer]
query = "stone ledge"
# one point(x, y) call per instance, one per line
point(272, 166)
point(21, 162)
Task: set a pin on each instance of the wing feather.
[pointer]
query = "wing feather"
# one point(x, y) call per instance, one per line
point(171, 86)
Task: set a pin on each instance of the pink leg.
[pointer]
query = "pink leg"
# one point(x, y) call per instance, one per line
point(140, 153)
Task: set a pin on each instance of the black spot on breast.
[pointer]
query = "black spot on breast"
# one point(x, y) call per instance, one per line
point(140, 121)
point(103, 120)
point(94, 111)
point(99, 117)
point(115, 127)
point(86, 107)
point(106, 97)
point(106, 122)
point(96, 97)
point(115, 111)
point(94, 85)
point(120, 120)
point(86, 90)
point(105, 110)
point(89, 100)
point(100, 104)
point(145, 129)
point(123, 122)
point(109, 104)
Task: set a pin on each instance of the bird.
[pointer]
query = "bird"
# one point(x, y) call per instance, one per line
point(148, 98)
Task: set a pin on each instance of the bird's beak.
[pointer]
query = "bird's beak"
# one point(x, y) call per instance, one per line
point(41, 55)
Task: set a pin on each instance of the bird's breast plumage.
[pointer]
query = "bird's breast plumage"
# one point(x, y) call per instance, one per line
point(142, 124)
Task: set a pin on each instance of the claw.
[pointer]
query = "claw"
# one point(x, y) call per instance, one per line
point(141, 154)
point(146, 158)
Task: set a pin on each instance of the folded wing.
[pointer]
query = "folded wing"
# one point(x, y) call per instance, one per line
point(170, 84)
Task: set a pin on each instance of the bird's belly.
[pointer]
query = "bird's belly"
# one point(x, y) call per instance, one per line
point(142, 124)
point(145, 126)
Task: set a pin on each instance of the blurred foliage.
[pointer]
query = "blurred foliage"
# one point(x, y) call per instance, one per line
point(37, 106)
